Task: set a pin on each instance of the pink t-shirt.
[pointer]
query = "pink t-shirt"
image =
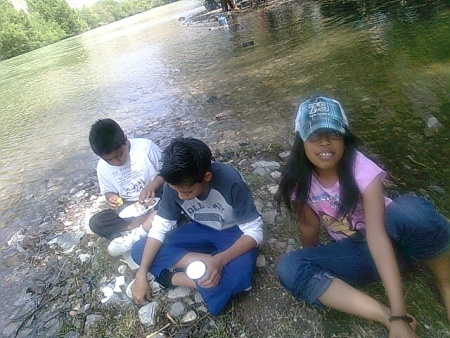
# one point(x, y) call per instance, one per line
point(325, 201)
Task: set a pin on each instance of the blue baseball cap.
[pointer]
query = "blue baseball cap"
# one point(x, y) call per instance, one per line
point(320, 113)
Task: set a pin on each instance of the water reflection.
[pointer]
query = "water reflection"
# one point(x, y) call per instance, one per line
point(387, 60)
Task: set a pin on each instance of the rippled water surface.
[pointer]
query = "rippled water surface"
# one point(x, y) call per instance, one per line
point(386, 61)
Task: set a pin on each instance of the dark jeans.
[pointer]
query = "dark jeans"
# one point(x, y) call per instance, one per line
point(193, 237)
point(417, 231)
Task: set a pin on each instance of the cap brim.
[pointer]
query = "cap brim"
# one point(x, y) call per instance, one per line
point(328, 123)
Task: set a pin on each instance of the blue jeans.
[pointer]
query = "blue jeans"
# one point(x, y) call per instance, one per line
point(236, 276)
point(417, 231)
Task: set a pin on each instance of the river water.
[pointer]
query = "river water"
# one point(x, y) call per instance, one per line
point(164, 76)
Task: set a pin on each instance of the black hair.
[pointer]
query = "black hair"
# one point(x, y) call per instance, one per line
point(185, 161)
point(296, 177)
point(106, 136)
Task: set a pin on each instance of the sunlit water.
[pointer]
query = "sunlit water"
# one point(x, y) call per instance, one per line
point(388, 65)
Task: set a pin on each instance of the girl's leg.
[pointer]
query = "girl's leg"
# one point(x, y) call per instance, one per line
point(420, 232)
point(416, 228)
point(322, 276)
point(441, 269)
point(307, 273)
point(343, 297)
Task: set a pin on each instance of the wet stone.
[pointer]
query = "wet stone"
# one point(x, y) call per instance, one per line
point(177, 309)
point(72, 334)
point(261, 261)
point(25, 333)
point(198, 298)
point(10, 330)
point(178, 292)
point(269, 217)
point(91, 320)
point(147, 314)
point(189, 317)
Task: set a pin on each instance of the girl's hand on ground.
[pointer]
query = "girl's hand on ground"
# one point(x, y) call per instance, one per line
point(401, 329)
point(141, 290)
point(213, 273)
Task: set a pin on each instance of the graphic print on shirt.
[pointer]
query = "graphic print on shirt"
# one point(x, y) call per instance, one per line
point(326, 206)
point(131, 178)
point(214, 212)
point(339, 226)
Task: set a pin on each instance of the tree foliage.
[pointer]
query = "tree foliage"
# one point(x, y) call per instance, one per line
point(49, 21)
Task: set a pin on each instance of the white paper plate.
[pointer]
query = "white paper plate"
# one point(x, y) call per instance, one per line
point(137, 209)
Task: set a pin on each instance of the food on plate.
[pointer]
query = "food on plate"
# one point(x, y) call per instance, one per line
point(119, 201)
point(149, 201)
point(140, 207)
point(137, 209)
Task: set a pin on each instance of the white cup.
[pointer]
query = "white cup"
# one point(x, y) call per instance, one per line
point(196, 270)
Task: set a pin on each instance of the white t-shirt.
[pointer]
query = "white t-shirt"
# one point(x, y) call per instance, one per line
point(129, 179)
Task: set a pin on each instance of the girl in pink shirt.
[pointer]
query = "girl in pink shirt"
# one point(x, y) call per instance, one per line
point(328, 182)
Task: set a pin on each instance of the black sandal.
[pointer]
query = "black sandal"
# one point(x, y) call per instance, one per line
point(165, 279)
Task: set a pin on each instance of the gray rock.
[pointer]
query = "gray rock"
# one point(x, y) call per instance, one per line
point(26, 333)
point(178, 292)
point(269, 217)
point(189, 317)
point(23, 300)
point(198, 298)
point(433, 123)
point(291, 241)
point(147, 314)
point(284, 155)
point(91, 320)
point(260, 172)
point(84, 257)
point(10, 329)
point(261, 261)
point(269, 166)
point(273, 189)
point(177, 309)
point(72, 334)
point(68, 240)
point(202, 309)
point(290, 248)
point(276, 175)
point(259, 206)
point(51, 327)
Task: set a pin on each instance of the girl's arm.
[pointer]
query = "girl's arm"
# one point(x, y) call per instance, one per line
point(380, 247)
point(309, 227)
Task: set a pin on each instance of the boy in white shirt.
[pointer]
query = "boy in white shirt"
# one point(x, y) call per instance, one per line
point(127, 172)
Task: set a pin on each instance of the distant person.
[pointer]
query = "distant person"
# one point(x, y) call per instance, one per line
point(228, 5)
point(329, 183)
point(127, 172)
point(224, 234)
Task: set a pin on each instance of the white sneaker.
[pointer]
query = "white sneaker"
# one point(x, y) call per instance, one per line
point(155, 287)
point(123, 244)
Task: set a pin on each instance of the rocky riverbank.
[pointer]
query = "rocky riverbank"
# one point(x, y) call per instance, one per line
point(74, 289)
point(77, 290)
point(67, 286)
